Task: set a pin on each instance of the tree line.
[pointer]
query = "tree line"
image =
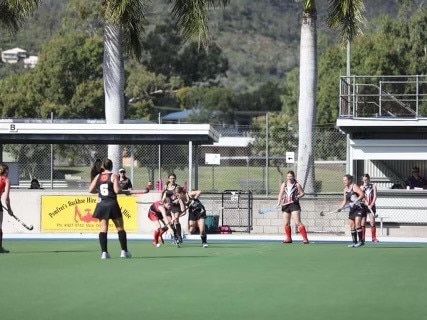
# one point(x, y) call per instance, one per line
point(174, 74)
point(68, 78)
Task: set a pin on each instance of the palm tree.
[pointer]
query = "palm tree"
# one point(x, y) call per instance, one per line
point(345, 15)
point(123, 29)
point(307, 96)
point(14, 13)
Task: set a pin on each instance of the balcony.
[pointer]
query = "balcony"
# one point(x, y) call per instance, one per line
point(383, 97)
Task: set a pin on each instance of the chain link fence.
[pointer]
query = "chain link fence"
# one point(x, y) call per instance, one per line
point(245, 162)
point(258, 165)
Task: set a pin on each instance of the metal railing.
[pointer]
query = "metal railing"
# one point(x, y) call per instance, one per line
point(383, 96)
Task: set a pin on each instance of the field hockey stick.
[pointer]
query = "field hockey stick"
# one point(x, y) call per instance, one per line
point(169, 230)
point(29, 227)
point(165, 224)
point(264, 211)
point(323, 213)
point(374, 214)
point(143, 191)
point(267, 210)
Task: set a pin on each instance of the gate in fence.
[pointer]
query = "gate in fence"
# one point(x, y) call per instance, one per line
point(237, 210)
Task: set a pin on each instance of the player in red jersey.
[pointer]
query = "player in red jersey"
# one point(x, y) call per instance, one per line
point(5, 200)
point(370, 191)
point(156, 213)
point(288, 199)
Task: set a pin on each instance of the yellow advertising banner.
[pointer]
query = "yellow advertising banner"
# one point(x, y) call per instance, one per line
point(74, 213)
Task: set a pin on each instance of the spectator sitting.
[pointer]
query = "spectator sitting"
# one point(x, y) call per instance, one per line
point(397, 186)
point(124, 182)
point(415, 181)
point(35, 184)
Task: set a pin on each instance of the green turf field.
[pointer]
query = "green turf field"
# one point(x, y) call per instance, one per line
point(56, 279)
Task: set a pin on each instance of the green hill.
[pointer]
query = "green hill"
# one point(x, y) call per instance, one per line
point(259, 38)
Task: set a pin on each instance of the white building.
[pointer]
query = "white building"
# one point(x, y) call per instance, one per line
point(13, 55)
point(31, 61)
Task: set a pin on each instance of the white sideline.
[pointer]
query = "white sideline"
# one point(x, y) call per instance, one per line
point(211, 237)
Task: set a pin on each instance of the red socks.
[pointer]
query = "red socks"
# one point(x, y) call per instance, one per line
point(301, 229)
point(374, 232)
point(156, 236)
point(161, 231)
point(288, 233)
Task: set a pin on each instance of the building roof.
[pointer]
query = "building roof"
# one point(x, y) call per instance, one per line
point(101, 133)
point(14, 50)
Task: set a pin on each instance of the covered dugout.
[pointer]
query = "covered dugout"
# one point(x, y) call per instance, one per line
point(386, 148)
point(14, 131)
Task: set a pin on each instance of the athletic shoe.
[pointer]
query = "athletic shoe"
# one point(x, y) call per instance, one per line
point(177, 242)
point(125, 254)
point(359, 244)
point(158, 245)
point(3, 250)
point(375, 240)
point(305, 242)
point(351, 245)
point(287, 241)
point(105, 255)
point(205, 245)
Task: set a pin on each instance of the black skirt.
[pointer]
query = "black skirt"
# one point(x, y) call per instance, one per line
point(107, 209)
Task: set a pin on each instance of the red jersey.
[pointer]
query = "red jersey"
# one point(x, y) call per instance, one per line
point(154, 213)
point(369, 193)
point(155, 206)
point(291, 192)
point(2, 184)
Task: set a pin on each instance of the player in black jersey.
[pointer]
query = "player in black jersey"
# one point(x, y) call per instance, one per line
point(353, 198)
point(173, 214)
point(107, 186)
point(196, 212)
